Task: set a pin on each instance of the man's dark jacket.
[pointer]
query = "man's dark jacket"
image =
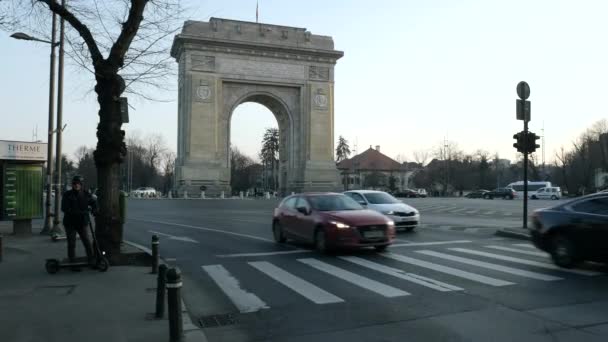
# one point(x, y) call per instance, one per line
point(75, 206)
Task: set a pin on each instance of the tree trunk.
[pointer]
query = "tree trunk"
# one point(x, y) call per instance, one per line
point(109, 154)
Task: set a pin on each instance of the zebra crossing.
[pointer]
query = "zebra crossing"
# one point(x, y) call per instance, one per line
point(446, 269)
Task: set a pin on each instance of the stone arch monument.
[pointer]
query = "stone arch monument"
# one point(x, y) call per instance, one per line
point(223, 63)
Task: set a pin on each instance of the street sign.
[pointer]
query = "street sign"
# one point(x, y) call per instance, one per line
point(523, 90)
point(524, 110)
point(21, 150)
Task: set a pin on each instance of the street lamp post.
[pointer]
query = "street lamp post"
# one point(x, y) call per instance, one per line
point(49, 160)
point(58, 155)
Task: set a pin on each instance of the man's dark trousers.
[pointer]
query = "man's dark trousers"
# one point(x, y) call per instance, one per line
point(70, 232)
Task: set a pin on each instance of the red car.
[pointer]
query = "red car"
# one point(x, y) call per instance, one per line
point(330, 221)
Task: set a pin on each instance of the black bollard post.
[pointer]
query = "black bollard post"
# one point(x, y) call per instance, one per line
point(174, 285)
point(160, 291)
point(0, 247)
point(155, 254)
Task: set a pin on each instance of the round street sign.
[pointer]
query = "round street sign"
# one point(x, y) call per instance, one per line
point(523, 90)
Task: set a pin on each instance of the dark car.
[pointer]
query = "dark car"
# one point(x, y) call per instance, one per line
point(408, 193)
point(574, 231)
point(477, 194)
point(330, 221)
point(504, 193)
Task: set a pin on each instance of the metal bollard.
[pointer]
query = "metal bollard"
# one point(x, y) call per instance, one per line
point(155, 254)
point(174, 285)
point(160, 291)
point(0, 247)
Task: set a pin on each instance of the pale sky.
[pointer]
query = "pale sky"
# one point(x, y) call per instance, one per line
point(413, 72)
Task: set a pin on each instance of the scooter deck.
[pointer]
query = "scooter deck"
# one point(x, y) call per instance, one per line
point(70, 264)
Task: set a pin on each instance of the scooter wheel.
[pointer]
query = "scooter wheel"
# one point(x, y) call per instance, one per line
point(103, 265)
point(52, 266)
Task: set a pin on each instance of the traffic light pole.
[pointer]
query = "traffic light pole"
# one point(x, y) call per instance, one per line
point(523, 145)
point(525, 175)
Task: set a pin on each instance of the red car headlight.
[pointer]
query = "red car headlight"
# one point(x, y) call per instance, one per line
point(339, 225)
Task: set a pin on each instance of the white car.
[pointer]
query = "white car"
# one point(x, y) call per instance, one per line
point(144, 192)
point(553, 192)
point(404, 216)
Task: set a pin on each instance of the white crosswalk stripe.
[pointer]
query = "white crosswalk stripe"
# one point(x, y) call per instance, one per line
point(449, 270)
point(520, 251)
point(524, 261)
point(395, 272)
point(243, 300)
point(355, 279)
point(412, 244)
point(526, 245)
point(495, 267)
point(299, 285)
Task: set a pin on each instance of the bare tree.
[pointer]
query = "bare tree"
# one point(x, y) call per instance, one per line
point(122, 43)
point(562, 162)
point(168, 161)
point(82, 151)
point(421, 156)
point(155, 147)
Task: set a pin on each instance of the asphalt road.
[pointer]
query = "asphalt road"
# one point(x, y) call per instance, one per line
point(473, 214)
point(434, 284)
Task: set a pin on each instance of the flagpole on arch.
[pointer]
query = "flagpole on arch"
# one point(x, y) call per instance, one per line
point(257, 5)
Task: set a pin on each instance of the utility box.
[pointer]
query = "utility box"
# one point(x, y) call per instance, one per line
point(21, 183)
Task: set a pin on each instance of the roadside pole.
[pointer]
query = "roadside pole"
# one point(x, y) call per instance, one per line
point(525, 140)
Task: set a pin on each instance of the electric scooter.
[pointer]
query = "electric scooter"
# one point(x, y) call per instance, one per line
point(101, 263)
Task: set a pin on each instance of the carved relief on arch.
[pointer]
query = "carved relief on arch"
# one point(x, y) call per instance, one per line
point(320, 99)
point(202, 62)
point(203, 91)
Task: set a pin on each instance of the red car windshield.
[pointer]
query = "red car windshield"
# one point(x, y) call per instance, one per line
point(333, 203)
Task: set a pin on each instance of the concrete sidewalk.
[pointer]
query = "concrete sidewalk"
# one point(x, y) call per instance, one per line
point(73, 306)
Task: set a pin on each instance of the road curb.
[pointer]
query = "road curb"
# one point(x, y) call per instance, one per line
point(192, 333)
point(514, 233)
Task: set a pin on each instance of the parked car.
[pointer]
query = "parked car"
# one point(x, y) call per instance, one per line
point(144, 192)
point(330, 221)
point(504, 193)
point(574, 231)
point(477, 194)
point(404, 216)
point(409, 193)
point(421, 193)
point(553, 192)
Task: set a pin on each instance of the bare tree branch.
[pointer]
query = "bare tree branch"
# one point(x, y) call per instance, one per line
point(130, 27)
point(82, 29)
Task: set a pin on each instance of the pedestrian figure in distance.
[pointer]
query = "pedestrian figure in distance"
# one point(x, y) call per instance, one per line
point(75, 205)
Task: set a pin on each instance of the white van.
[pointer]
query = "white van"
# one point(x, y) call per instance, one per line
point(550, 192)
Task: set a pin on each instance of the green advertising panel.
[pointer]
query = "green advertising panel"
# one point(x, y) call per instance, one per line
point(22, 192)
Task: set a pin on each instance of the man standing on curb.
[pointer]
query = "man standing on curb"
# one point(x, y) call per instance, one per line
point(75, 205)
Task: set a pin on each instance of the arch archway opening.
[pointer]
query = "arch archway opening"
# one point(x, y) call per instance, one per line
point(258, 146)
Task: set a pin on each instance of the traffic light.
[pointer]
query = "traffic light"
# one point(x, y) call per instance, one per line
point(531, 144)
point(520, 144)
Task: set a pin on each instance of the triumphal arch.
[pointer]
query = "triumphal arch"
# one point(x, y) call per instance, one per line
point(223, 63)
